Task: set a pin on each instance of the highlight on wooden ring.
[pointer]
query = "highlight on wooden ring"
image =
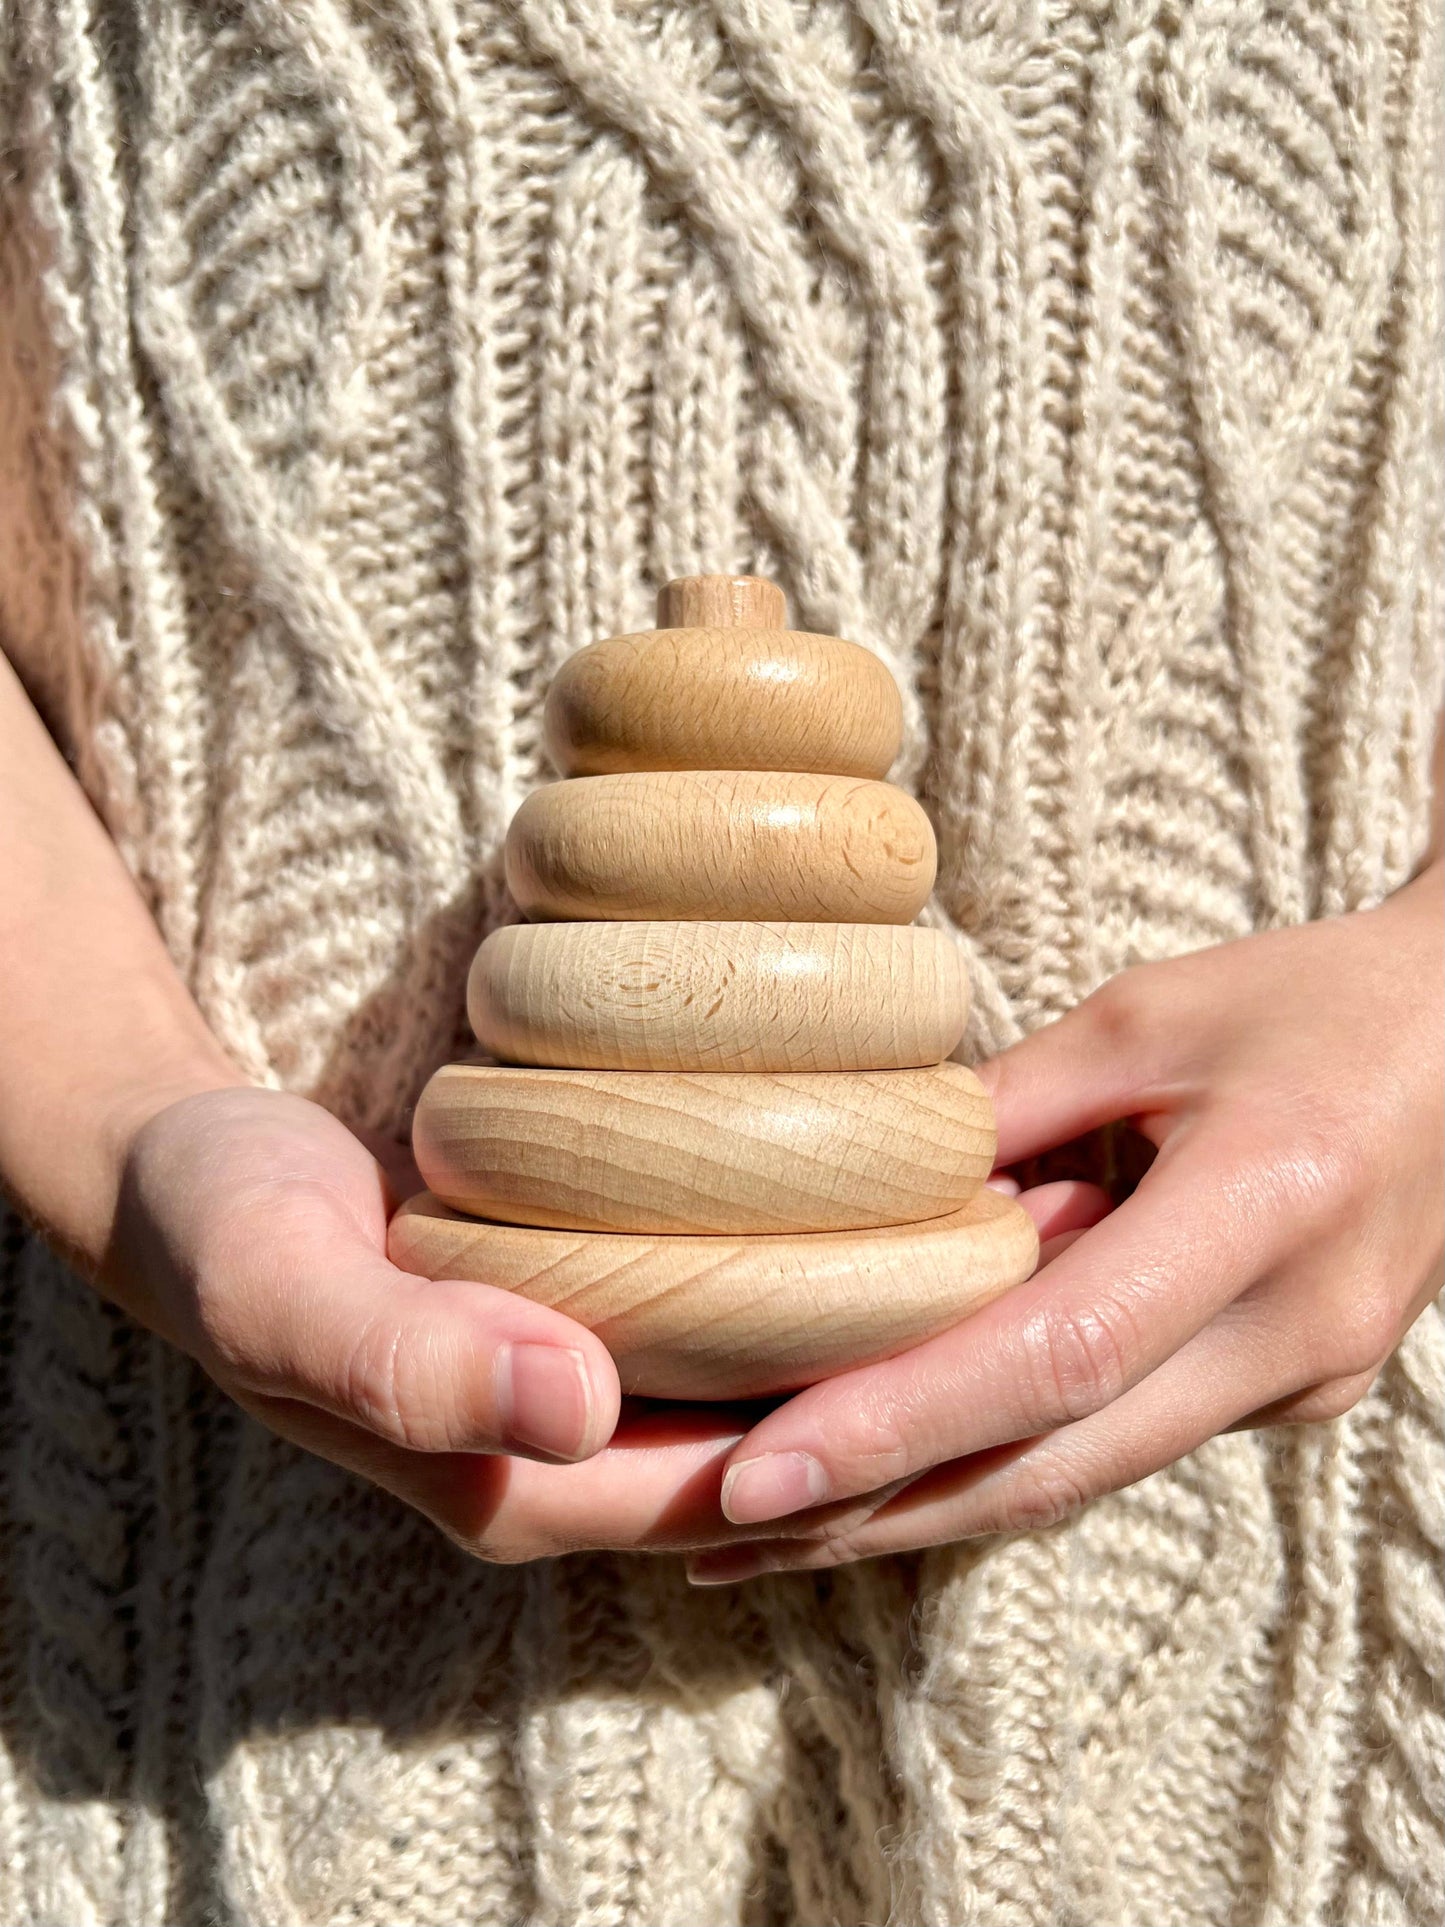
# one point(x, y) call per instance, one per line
point(719, 996)
point(744, 1317)
point(714, 698)
point(704, 1151)
point(722, 845)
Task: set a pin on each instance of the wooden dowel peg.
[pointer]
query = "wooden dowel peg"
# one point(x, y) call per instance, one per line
point(721, 602)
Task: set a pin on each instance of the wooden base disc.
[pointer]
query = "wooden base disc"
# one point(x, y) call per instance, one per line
point(722, 1317)
point(704, 1151)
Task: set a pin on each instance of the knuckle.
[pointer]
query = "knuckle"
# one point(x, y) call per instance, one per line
point(1125, 1010)
point(874, 1445)
point(397, 1389)
point(492, 1549)
point(1333, 1401)
point(1077, 1359)
point(1318, 1167)
point(1362, 1335)
point(839, 1548)
point(1045, 1493)
point(369, 1386)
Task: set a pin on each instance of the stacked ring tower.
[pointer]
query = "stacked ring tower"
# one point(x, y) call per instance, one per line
point(722, 1131)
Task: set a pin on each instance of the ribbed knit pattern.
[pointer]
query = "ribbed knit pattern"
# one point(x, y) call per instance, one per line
point(1084, 361)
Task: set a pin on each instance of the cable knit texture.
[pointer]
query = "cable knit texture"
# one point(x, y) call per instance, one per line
point(1081, 359)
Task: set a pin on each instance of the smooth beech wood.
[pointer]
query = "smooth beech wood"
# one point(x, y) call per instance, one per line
point(704, 1151)
point(724, 845)
point(724, 1317)
point(721, 602)
point(718, 698)
point(719, 996)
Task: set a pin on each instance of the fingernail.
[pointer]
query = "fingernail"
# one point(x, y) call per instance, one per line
point(544, 1399)
point(1010, 1187)
point(771, 1485)
point(728, 1567)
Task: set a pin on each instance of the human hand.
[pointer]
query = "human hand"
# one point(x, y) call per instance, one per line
point(1286, 1236)
point(249, 1227)
point(250, 1230)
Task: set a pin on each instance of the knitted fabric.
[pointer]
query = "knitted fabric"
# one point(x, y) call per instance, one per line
point(1082, 360)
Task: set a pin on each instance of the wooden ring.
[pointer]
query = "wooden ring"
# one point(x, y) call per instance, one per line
point(704, 1151)
point(723, 698)
point(719, 996)
point(722, 845)
point(716, 1318)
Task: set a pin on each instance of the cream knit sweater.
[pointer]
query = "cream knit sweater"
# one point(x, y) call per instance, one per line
point(1083, 360)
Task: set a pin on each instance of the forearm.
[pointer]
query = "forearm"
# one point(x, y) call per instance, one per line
point(1435, 849)
point(97, 1030)
point(1421, 895)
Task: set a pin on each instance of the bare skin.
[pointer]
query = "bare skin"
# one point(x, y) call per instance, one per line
point(1288, 1233)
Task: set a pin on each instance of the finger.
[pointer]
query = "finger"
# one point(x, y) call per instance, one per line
point(313, 1312)
point(1337, 1389)
point(1336, 1392)
point(654, 1488)
point(1105, 1313)
point(1114, 1056)
point(1313, 1406)
point(1236, 1364)
point(1066, 1207)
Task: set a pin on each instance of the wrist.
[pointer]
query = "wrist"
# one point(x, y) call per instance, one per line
point(1421, 901)
point(71, 1200)
point(135, 1101)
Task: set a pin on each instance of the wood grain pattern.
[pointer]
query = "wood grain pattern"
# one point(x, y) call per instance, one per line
point(704, 1151)
point(710, 1317)
point(719, 996)
point(722, 845)
point(715, 698)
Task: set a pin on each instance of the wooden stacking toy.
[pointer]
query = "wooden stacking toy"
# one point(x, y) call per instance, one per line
point(722, 1133)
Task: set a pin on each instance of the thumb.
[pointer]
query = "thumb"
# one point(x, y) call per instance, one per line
point(321, 1316)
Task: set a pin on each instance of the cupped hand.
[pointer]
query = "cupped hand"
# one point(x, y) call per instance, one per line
point(1285, 1237)
point(251, 1231)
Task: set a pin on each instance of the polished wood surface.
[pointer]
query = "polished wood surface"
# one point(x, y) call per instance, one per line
point(737, 1317)
point(709, 1151)
point(719, 996)
point(704, 698)
point(723, 1133)
point(723, 845)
